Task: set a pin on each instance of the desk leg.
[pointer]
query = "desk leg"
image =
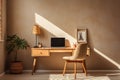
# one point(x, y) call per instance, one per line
point(34, 65)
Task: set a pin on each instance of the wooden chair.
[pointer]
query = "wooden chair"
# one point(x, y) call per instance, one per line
point(76, 58)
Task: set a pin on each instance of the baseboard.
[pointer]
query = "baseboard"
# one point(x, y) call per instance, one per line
point(2, 74)
point(103, 70)
point(117, 71)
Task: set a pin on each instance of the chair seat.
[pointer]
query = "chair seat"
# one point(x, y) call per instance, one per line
point(72, 58)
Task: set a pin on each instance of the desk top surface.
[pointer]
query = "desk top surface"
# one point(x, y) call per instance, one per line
point(56, 48)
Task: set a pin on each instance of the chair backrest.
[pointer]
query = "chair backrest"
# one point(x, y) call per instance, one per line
point(78, 51)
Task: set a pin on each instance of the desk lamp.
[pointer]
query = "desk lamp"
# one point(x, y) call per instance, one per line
point(36, 31)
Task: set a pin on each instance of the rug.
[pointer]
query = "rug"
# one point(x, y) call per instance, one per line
point(78, 77)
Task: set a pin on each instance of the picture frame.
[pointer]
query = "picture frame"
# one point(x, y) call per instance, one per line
point(82, 35)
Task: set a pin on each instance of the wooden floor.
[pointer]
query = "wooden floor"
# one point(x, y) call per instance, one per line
point(45, 76)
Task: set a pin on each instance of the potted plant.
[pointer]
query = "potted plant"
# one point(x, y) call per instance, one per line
point(15, 43)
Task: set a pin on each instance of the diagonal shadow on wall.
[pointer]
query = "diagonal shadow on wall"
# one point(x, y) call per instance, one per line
point(52, 28)
point(107, 58)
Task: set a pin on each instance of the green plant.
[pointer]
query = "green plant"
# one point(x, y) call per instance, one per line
point(15, 43)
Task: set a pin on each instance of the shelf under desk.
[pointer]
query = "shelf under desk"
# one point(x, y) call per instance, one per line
point(46, 51)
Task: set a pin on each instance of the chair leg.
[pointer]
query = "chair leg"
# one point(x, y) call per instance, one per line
point(75, 67)
point(64, 68)
point(84, 67)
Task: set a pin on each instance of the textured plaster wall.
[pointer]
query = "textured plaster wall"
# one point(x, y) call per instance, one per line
point(2, 58)
point(100, 17)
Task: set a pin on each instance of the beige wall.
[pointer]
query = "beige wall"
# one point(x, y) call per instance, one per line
point(100, 17)
point(2, 57)
point(2, 43)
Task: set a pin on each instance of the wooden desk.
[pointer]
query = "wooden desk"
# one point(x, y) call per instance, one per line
point(37, 52)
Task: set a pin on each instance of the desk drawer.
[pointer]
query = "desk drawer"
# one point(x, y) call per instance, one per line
point(40, 52)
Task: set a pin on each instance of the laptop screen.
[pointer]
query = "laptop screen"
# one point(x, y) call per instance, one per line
point(57, 42)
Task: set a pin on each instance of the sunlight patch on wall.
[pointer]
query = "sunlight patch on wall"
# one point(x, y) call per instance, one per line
point(55, 30)
point(107, 58)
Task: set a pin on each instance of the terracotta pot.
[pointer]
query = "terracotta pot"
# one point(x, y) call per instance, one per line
point(16, 67)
